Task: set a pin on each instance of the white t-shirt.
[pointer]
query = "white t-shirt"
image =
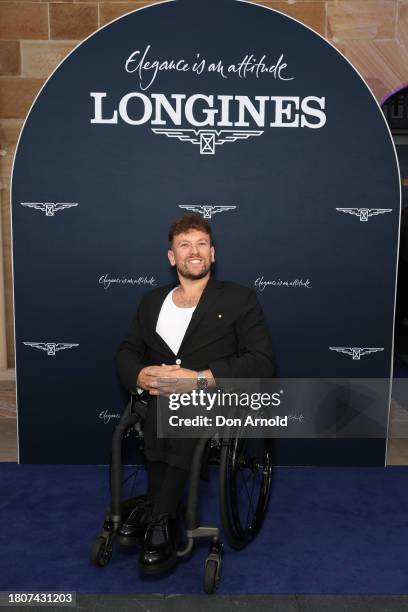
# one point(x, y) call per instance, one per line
point(173, 322)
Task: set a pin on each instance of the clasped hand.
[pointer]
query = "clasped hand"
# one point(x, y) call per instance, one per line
point(167, 379)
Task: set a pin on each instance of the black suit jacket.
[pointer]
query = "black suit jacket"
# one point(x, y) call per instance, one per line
point(227, 333)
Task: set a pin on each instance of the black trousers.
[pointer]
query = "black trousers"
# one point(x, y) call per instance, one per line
point(165, 487)
point(177, 452)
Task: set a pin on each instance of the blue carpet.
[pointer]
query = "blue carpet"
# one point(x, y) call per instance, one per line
point(328, 530)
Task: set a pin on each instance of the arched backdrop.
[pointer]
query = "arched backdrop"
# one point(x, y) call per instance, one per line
point(257, 120)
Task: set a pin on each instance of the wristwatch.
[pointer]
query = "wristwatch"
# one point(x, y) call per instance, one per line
point(202, 382)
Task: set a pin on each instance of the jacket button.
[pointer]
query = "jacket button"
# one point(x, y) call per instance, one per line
point(178, 361)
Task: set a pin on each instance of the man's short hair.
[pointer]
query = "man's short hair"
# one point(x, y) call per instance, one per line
point(187, 222)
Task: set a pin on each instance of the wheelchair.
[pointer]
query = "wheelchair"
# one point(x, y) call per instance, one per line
point(245, 476)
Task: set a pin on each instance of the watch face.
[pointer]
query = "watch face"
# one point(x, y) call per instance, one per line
point(202, 383)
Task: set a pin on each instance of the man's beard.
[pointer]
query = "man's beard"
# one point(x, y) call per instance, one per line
point(192, 275)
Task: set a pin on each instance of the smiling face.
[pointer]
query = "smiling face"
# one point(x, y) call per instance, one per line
point(192, 254)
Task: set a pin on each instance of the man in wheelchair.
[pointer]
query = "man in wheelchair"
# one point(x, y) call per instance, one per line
point(196, 330)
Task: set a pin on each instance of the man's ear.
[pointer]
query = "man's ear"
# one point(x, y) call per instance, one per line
point(170, 255)
point(212, 254)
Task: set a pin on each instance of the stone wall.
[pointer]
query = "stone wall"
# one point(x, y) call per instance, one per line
point(35, 36)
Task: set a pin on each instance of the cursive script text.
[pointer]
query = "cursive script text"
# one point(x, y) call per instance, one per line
point(147, 69)
point(107, 281)
point(261, 284)
point(107, 416)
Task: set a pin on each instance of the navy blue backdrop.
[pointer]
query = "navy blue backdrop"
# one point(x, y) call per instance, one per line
point(291, 140)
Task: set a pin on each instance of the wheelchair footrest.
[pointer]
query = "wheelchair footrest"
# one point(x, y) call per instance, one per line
point(203, 532)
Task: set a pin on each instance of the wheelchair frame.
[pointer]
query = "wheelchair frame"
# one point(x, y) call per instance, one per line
point(102, 549)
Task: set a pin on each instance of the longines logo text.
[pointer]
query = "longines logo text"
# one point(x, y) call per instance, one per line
point(261, 284)
point(193, 118)
point(106, 281)
point(51, 348)
point(206, 210)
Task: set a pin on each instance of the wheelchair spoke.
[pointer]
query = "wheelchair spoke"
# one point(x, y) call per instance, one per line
point(132, 475)
point(244, 479)
point(258, 475)
point(248, 477)
point(247, 522)
point(249, 495)
point(247, 467)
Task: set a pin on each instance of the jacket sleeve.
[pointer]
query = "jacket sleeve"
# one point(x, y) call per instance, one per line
point(254, 356)
point(130, 354)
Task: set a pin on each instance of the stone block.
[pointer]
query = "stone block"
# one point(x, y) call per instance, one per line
point(23, 20)
point(10, 60)
point(17, 95)
point(39, 58)
point(72, 21)
point(361, 20)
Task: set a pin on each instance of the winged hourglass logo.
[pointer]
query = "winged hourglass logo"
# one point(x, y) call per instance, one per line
point(50, 208)
point(364, 213)
point(355, 352)
point(208, 139)
point(206, 210)
point(51, 347)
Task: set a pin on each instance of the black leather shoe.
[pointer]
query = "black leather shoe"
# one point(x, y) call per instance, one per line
point(159, 550)
point(134, 526)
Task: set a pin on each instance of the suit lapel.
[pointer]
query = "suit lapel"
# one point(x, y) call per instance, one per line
point(210, 293)
point(154, 315)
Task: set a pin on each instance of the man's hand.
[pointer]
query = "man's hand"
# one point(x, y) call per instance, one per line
point(147, 378)
point(181, 380)
point(167, 379)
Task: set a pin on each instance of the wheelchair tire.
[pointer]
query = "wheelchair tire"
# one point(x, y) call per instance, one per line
point(245, 485)
point(210, 576)
point(101, 552)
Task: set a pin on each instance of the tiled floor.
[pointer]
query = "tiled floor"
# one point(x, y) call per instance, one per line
point(240, 603)
point(8, 421)
point(397, 452)
point(398, 426)
point(7, 394)
point(8, 439)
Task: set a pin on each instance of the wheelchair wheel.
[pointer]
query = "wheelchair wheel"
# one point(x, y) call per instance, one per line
point(210, 577)
point(212, 567)
point(101, 552)
point(245, 484)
